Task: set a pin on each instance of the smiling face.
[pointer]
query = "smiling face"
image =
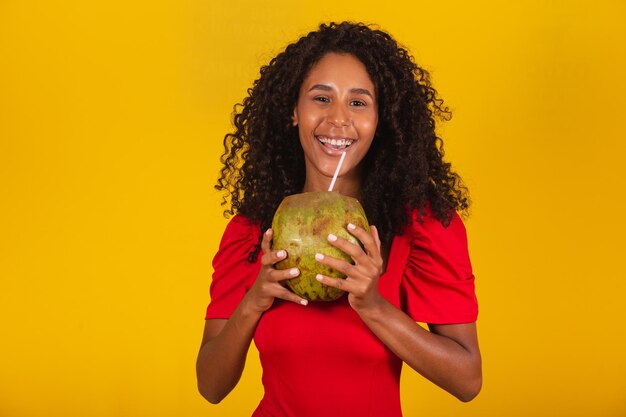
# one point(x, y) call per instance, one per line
point(336, 111)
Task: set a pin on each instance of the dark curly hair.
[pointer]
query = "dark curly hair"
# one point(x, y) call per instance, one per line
point(264, 161)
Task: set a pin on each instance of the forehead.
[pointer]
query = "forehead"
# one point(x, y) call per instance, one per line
point(340, 70)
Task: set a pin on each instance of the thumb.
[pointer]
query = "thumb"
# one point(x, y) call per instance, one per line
point(374, 232)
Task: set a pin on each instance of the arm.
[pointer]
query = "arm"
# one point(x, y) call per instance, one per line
point(222, 355)
point(448, 355)
point(226, 342)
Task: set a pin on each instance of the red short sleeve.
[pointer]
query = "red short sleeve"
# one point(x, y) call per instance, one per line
point(233, 275)
point(438, 283)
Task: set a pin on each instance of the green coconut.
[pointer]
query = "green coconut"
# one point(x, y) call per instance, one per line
point(301, 226)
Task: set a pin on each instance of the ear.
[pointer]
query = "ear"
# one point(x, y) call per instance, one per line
point(294, 117)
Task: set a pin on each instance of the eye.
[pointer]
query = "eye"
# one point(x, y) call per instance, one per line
point(322, 99)
point(357, 103)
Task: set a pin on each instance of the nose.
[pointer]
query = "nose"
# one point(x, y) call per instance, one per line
point(338, 116)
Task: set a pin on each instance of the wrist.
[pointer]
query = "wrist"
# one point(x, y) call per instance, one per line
point(373, 309)
point(250, 308)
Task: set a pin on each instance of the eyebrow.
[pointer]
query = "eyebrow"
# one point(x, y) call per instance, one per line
point(325, 87)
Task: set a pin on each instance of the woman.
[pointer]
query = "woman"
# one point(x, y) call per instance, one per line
point(345, 87)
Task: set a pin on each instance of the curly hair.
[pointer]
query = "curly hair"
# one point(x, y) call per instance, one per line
point(404, 168)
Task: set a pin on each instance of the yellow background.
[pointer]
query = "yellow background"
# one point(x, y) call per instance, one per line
point(111, 123)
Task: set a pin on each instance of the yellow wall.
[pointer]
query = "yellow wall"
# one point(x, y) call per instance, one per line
point(111, 121)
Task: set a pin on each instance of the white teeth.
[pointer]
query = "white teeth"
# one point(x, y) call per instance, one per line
point(335, 142)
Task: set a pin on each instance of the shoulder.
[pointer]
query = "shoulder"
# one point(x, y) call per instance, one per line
point(240, 237)
point(241, 227)
point(440, 248)
point(240, 223)
point(232, 273)
point(424, 226)
point(438, 280)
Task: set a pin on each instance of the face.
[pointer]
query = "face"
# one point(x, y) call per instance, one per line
point(336, 111)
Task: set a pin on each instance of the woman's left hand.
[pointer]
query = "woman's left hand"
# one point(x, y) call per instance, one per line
point(361, 282)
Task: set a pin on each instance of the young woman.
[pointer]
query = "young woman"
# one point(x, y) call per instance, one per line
point(345, 87)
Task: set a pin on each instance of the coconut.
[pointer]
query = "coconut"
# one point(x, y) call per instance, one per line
point(301, 226)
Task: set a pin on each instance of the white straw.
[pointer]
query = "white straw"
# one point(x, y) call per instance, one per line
point(332, 183)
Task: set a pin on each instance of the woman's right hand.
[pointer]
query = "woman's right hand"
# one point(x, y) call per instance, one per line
point(226, 342)
point(268, 284)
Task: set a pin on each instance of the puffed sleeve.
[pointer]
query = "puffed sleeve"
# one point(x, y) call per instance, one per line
point(438, 282)
point(233, 275)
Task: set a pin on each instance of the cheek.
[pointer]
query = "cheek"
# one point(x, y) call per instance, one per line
point(308, 114)
point(312, 119)
point(368, 125)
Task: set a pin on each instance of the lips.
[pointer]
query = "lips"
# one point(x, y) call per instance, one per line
point(335, 142)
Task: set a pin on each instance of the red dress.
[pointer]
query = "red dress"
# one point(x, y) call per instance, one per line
point(321, 359)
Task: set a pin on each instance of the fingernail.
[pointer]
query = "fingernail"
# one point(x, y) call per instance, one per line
point(294, 271)
point(319, 277)
point(268, 232)
point(351, 226)
point(319, 256)
point(280, 253)
point(332, 237)
point(304, 302)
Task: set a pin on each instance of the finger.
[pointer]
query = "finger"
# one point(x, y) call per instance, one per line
point(352, 250)
point(285, 294)
point(273, 257)
point(374, 231)
point(267, 238)
point(339, 265)
point(278, 275)
point(339, 283)
point(270, 257)
point(367, 239)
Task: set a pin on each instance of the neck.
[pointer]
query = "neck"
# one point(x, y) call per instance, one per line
point(346, 185)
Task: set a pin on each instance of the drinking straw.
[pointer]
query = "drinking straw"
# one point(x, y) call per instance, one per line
point(332, 183)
